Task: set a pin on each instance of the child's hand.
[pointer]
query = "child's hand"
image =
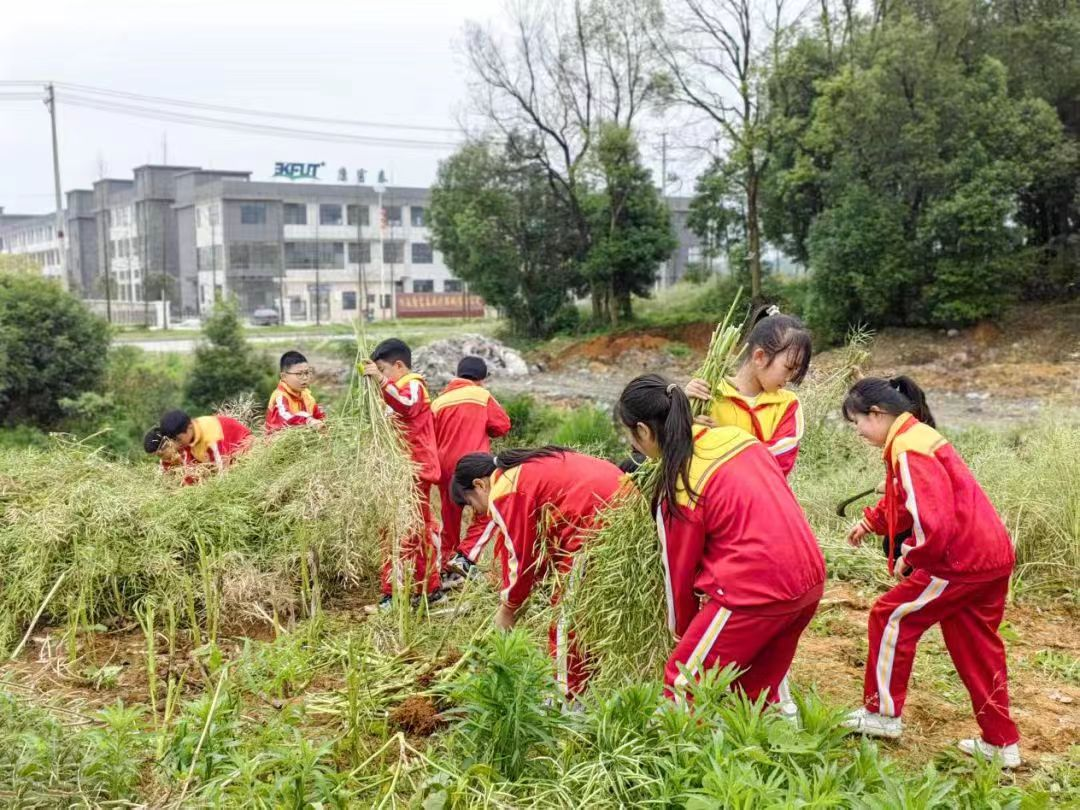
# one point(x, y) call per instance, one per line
point(708, 421)
point(880, 488)
point(698, 389)
point(505, 618)
point(372, 370)
point(857, 534)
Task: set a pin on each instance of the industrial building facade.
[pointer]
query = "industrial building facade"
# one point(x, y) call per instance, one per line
point(313, 252)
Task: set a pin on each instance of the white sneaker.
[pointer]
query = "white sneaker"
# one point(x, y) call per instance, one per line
point(872, 724)
point(1009, 755)
point(790, 712)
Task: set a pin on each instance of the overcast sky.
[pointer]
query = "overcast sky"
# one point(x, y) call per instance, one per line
point(395, 62)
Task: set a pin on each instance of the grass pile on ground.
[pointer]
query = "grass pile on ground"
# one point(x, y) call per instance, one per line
point(88, 538)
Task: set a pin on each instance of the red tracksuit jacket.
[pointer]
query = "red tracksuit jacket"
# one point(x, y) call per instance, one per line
point(744, 541)
point(776, 419)
point(541, 509)
point(289, 407)
point(217, 440)
point(467, 417)
point(956, 534)
point(408, 400)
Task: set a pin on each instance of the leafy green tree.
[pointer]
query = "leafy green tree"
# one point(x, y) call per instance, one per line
point(716, 216)
point(502, 229)
point(225, 366)
point(629, 223)
point(51, 348)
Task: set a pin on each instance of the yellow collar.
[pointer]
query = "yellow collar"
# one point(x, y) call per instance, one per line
point(898, 423)
point(727, 389)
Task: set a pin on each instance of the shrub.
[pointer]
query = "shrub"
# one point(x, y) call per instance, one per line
point(226, 368)
point(51, 348)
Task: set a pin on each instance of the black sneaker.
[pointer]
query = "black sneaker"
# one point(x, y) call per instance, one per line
point(382, 606)
point(433, 598)
point(459, 564)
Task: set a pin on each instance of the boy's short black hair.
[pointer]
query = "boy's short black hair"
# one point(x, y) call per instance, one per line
point(472, 368)
point(153, 439)
point(173, 423)
point(391, 350)
point(290, 359)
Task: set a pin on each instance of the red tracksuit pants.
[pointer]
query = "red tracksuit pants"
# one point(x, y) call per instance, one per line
point(762, 644)
point(476, 536)
point(969, 613)
point(419, 553)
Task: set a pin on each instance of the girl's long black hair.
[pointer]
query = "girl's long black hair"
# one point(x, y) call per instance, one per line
point(779, 334)
point(661, 404)
point(482, 465)
point(895, 396)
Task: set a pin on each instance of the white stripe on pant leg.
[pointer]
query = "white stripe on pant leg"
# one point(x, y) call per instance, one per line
point(478, 549)
point(890, 636)
point(783, 691)
point(562, 674)
point(703, 647)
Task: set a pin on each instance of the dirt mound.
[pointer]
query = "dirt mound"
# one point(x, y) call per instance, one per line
point(653, 349)
point(417, 716)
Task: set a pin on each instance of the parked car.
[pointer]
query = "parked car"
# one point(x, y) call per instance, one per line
point(265, 316)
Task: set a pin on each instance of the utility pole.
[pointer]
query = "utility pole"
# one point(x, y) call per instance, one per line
point(212, 212)
point(50, 102)
point(318, 290)
point(361, 308)
point(663, 196)
point(380, 187)
point(106, 243)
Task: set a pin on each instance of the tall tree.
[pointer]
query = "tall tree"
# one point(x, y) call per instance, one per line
point(629, 222)
point(565, 67)
point(717, 216)
point(718, 53)
point(501, 228)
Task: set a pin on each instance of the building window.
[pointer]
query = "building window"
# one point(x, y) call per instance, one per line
point(332, 255)
point(348, 299)
point(418, 216)
point(392, 215)
point(423, 285)
point(254, 256)
point(385, 301)
point(370, 298)
point(359, 252)
point(253, 213)
point(421, 253)
point(358, 214)
point(295, 214)
point(300, 255)
point(393, 252)
point(297, 308)
point(329, 214)
point(453, 285)
point(308, 255)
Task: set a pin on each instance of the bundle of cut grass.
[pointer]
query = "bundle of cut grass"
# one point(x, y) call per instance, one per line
point(88, 538)
point(618, 609)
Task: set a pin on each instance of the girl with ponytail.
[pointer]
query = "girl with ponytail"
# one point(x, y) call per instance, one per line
point(777, 353)
point(542, 503)
point(744, 573)
point(957, 561)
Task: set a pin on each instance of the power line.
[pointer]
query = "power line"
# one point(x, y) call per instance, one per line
point(140, 111)
point(174, 102)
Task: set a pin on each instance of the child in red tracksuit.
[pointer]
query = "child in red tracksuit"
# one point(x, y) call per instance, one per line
point(956, 567)
point(542, 502)
point(292, 404)
point(467, 418)
point(743, 571)
point(777, 353)
point(196, 445)
point(407, 399)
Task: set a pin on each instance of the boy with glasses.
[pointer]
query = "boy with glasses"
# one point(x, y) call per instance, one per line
point(292, 404)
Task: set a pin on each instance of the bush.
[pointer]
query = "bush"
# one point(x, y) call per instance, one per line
point(592, 431)
point(226, 368)
point(51, 348)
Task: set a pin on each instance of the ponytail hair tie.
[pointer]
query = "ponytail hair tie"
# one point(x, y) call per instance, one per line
point(772, 310)
point(495, 460)
point(671, 388)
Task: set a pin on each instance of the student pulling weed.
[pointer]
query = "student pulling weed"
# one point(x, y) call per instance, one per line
point(544, 503)
point(743, 571)
point(956, 566)
point(467, 418)
point(755, 399)
point(406, 395)
point(182, 442)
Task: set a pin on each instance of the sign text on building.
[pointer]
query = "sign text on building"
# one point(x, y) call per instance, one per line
point(298, 171)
